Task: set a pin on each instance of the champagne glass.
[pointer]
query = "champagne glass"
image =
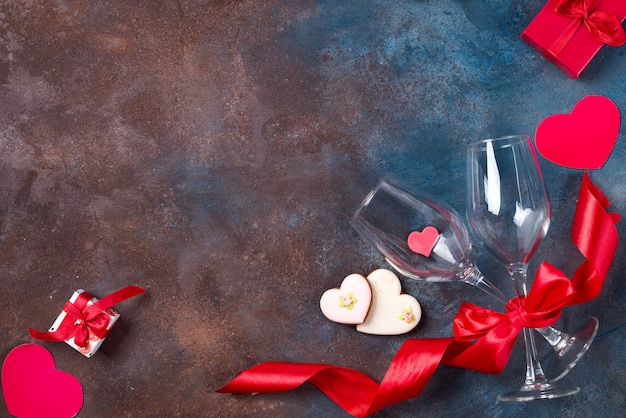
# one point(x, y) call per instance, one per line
point(391, 212)
point(508, 209)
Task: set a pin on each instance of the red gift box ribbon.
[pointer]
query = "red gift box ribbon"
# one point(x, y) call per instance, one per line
point(81, 319)
point(596, 237)
point(604, 25)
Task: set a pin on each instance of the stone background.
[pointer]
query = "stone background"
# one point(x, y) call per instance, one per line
point(212, 152)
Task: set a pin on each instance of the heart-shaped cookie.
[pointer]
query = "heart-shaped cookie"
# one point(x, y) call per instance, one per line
point(350, 303)
point(423, 242)
point(391, 312)
point(34, 388)
point(581, 139)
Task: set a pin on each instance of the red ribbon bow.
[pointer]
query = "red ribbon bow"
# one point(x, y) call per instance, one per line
point(81, 319)
point(605, 26)
point(594, 234)
point(496, 332)
point(541, 308)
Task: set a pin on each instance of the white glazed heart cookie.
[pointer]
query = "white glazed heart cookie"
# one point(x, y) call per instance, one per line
point(391, 312)
point(350, 303)
point(375, 305)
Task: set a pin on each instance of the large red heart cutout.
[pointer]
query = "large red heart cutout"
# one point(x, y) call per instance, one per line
point(583, 138)
point(34, 388)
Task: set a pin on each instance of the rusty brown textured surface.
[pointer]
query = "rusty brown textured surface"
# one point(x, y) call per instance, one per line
point(213, 151)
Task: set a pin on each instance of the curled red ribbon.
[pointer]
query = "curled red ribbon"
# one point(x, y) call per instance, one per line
point(596, 237)
point(605, 26)
point(81, 319)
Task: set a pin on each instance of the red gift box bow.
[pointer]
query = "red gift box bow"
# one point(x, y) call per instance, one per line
point(596, 237)
point(81, 319)
point(604, 25)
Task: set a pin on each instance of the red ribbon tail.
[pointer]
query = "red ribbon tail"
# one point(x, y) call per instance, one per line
point(351, 390)
point(111, 300)
point(68, 328)
point(489, 354)
point(410, 370)
point(595, 235)
point(46, 336)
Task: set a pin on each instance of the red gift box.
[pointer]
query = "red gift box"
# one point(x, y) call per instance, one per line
point(571, 32)
point(85, 321)
point(92, 341)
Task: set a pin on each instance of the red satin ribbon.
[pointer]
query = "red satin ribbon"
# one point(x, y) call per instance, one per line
point(595, 235)
point(603, 25)
point(81, 319)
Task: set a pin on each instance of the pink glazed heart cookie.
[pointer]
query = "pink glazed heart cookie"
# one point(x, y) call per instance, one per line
point(391, 313)
point(34, 388)
point(581, 139)
point(350, 303)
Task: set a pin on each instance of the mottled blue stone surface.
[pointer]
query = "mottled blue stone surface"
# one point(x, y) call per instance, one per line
point(213, 151)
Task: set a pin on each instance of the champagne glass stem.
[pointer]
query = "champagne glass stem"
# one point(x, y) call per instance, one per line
point(557, 339)
point(534, 371)
point(474, 277)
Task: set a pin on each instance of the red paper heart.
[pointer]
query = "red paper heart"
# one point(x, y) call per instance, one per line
point(582, 139)
point(34, 388)
point(423, 242)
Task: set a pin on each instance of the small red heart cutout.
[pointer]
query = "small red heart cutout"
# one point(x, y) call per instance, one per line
point(583, 138)
point(34, 388)
point(423, 242)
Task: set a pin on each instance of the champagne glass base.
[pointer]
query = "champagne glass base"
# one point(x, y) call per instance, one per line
point(558, 364)
point(534, 391)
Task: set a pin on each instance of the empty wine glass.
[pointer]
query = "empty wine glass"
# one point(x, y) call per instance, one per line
point(391, 212)
point(508, 209)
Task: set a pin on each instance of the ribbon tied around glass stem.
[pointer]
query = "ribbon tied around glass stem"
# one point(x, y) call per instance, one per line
point(605, 26)
point(541, 308)
point(495, 332)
